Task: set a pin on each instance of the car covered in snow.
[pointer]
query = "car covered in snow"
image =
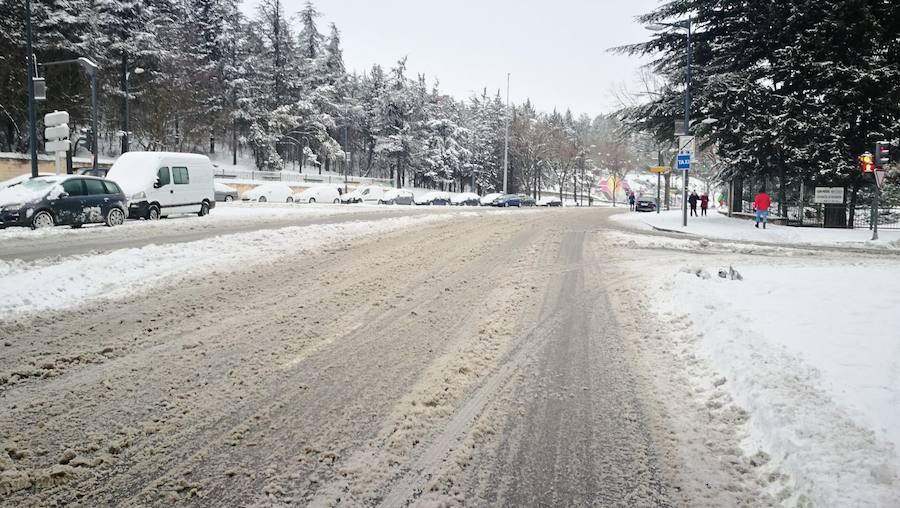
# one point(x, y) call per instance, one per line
point(433, 198)
point(319, 194)
point(273, 192)
point(63, 200)
point(159, 184)
point(16, 180)
point(550, 201)
point(365, 194)
point(488, 199)
point(397, 197)
point(465, 199)
point(225, 193)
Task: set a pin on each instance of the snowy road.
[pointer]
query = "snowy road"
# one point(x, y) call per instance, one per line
point(27, 245)
point(486, 360)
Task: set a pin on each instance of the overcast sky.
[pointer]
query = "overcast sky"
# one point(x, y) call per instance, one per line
point(555, 51)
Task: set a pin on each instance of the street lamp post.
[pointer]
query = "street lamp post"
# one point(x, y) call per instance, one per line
point(506, 138)
point(31, 105)
point(90, 68)
point(687, 25)
point(126, 133)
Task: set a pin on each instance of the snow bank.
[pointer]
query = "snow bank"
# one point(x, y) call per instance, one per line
point(61, 284)
point(719, 226)
point(812, 350)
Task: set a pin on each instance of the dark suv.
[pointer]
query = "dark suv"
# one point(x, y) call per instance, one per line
point(63, 200)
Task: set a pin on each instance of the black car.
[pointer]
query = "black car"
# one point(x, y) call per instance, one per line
point(63, 200)
point(645, 205)
point(507, 200)
point(528, 201)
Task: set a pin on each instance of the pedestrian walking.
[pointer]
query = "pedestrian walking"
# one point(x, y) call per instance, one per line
point(761, 204)
point(693, 202)
point(631, 200)
point(704, 204)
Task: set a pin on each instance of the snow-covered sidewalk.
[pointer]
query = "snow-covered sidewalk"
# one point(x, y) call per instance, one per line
point(63, 283)
point(719, 226)
point(808, 345)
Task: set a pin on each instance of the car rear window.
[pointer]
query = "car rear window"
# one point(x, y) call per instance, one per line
point(94, 187)
point(111, 187)
point(74, 187)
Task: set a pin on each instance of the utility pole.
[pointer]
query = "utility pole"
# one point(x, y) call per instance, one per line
point(31, 104)
point(506, 139)
point(687, 116)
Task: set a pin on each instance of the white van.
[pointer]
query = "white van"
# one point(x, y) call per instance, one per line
point(159, 184)
point(319, 194)
point(365, 194)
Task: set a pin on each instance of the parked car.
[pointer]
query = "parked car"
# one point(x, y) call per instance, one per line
point(366, 194)
point(62, 200)
point(274, 192)
point(488, 199)
point(436, 198)
point(319, 194)
point(465, 199)
point(507, 200)
point(645, 204)
point(159, 184)
point(397, 197)
point(225, 193)
point(550, 201)
point(527, 201)
point(99, 172)
point(16, 180)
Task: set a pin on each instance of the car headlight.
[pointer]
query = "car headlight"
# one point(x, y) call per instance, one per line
point(139, 196)
point(12, 206)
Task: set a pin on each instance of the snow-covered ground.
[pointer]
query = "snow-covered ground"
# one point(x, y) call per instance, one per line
point(719, 226)
point(807, 344)
point(61, 283)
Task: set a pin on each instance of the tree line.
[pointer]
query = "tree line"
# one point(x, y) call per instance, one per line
point(798, 89)
point(273, 86)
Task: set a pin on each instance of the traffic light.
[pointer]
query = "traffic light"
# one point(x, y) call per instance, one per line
point(867, 163)
point(882, 154)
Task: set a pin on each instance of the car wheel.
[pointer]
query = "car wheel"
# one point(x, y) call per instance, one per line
point(41, 220)
point(229, 199)
point(115, 217)
point(76, 226)
point(262, 199)
point(312, 201)
point(337, 201)
point(290, 199)
point(393, 202)
point(153, 213)
point(204, 209)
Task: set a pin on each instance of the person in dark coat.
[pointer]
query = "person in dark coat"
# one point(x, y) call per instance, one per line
point(693, 202)
point(704, 204)
point(631, 200)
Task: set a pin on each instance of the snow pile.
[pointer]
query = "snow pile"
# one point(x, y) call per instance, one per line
point(719, 226)
point(70, 282)
point(816, 367)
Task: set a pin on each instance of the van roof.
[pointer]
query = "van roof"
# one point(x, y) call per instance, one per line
point(157, 155)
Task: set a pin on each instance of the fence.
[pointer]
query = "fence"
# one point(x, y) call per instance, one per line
point(297, 178)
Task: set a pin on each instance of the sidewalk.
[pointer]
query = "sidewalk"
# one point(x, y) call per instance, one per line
point(720, 227)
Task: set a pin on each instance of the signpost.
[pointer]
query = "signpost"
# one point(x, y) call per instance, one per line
point(685, 155)
point(56, 134)
point(829, 196)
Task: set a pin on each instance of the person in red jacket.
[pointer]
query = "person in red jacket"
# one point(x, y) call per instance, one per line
point(761, 204)
point(704, 204)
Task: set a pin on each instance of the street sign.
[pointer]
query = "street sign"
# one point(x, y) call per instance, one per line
point(57, 146)
point(56, 118)
point(684, 162)
point(660, 169)
point(879, 177)
point(686, 144)
point(58, 132)
point(829, 196)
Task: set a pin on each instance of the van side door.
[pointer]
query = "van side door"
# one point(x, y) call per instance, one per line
point(163, 190)
point(185, 200)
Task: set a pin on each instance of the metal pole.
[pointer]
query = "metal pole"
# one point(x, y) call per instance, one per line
point(94, 115)
point(125, 134)
point(506, 138)
point(687, 119)
point(875, 212)
point(658, 190)
point(31, 104)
